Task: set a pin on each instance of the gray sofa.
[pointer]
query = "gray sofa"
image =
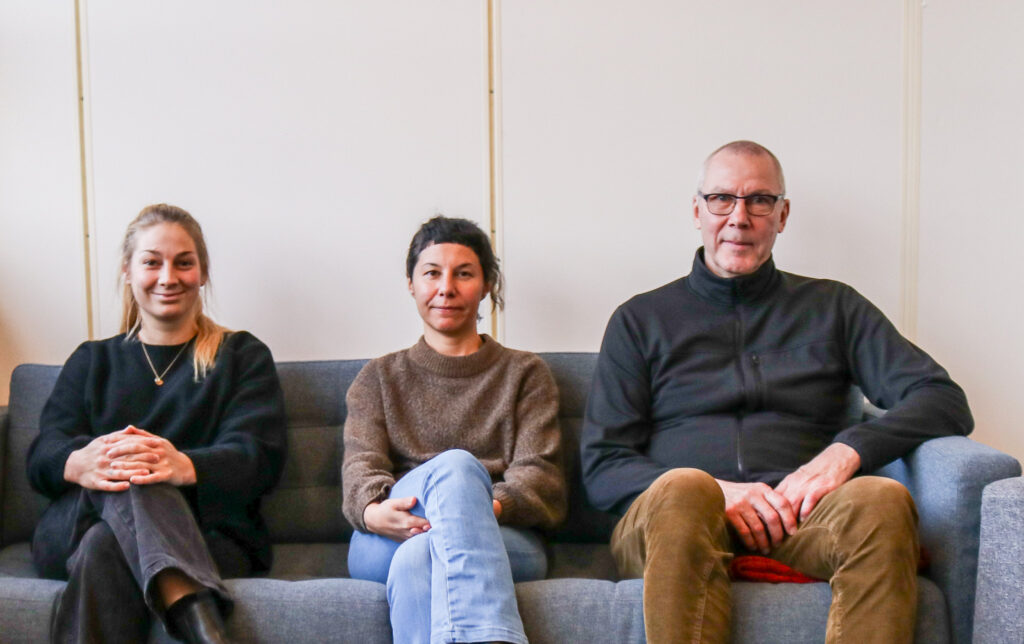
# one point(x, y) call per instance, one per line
point(307, 596)
point(999, 611)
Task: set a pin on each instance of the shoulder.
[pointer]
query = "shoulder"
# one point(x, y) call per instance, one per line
point(658, 299)
point(820, 287)
point(99, 351)
point(387, 363)
point(525, 365)
point(378, 370)
point(242, 342)
point(242, 355)
point(526, 360)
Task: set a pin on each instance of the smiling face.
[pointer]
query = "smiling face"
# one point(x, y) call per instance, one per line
point(164, 275)
point(738, 243)
point(448, 284)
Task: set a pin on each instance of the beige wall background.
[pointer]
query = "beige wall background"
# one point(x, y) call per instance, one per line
point(311, 138)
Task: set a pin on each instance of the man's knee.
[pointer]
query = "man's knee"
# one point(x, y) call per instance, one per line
point(678, 503)
point(686, 490)
point(881, 510)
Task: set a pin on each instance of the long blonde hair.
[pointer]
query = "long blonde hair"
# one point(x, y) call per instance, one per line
point(209, 334)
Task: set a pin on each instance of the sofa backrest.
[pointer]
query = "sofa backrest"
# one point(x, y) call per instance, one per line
point(21, 506)
point(306, 504)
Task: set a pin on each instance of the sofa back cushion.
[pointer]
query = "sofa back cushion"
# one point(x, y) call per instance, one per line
point(306, 504)
point(31, 385)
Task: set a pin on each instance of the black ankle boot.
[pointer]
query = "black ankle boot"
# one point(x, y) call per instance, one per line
point(196, 619)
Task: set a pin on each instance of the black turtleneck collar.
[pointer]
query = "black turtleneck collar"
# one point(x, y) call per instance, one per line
point(731, 291)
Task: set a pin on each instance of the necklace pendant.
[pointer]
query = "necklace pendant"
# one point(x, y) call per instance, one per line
point(159, 381)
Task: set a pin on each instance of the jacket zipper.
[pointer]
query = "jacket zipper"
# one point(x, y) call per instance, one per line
point(741, 473)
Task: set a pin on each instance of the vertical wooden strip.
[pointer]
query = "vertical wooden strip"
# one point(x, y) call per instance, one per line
point(911, 164)
point(87, 237)
point(494, 144)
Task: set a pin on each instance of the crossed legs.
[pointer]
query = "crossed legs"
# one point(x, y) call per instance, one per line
point(453, 583)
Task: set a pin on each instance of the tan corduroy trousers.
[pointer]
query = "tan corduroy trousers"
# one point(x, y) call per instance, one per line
point(862, 537)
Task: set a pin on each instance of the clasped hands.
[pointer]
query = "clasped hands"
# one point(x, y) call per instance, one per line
point(762, 516)
point(131, 456)
point(392, 518)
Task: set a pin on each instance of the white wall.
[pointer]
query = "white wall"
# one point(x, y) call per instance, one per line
point(42, 298)
point(610, 107)
point(972, 169)
point(310, 139)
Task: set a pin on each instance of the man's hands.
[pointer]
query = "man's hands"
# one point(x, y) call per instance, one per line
point(391, 518)
point(131, 456)
point(762, 517)
point(819, 476)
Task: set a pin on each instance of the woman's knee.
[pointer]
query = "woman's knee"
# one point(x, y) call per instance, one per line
point(97, 552)
point(458, 464)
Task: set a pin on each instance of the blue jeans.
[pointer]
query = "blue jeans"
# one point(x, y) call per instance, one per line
point(453, 583)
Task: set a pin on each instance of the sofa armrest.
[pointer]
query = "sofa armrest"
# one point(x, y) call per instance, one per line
point(999, 610)
point(946, 477)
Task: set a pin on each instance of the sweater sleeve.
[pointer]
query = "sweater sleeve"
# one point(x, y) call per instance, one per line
point(921, 399)
point(64, 426)
point(367, 472)
point(247, 454)
point(533, 489)
point(617, 424)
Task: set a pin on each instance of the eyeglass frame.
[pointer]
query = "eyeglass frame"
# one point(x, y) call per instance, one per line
point(736, 199)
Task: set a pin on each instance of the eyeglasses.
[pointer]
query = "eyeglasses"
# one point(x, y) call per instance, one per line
point(757, 205)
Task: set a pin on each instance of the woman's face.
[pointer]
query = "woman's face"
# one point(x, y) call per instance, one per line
point(164, 275)
point(448, 285)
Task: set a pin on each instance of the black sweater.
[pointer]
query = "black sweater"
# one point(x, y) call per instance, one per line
point(749, 378)
point(231, 424)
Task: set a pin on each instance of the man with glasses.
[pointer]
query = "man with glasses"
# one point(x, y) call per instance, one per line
point(717, 423)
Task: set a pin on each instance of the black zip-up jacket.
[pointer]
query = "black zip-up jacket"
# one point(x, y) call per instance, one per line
point(748, 379)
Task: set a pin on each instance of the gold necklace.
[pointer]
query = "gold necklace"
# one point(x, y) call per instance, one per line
point(159, 379)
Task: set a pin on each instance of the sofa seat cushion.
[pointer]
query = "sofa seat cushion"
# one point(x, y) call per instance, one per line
point(16, 561)
point(27, 605)
point(316, 610)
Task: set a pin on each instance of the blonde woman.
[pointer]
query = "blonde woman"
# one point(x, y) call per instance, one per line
point(155, 448)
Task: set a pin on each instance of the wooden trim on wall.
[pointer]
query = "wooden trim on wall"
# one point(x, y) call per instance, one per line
point(911, 165)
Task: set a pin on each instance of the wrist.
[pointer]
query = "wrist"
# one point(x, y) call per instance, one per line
point(71, 469)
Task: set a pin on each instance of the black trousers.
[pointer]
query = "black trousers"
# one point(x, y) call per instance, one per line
point(110, 545)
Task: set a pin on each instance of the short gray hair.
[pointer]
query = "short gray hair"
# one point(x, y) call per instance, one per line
point(750, 148)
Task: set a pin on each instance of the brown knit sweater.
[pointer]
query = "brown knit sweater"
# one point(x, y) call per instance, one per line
point(498, 404)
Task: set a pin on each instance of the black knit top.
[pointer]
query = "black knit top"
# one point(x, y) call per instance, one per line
point(231, 424)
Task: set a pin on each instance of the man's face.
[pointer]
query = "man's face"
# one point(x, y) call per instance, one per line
point(738, 243)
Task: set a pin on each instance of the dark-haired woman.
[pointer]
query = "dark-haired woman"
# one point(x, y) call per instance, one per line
point(452, 454)
point(155, 447)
